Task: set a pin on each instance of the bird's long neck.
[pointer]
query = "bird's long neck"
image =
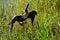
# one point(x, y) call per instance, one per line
point(26, 9)
point(26, 13)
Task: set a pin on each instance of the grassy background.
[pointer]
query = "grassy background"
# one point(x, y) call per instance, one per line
point(45, 23)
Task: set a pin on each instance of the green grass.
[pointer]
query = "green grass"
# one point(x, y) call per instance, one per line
point(45, 23)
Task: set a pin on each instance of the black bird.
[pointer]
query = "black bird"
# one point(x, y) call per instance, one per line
point(22, 17)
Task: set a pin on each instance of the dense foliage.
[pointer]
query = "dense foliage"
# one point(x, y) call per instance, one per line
point(45, 23)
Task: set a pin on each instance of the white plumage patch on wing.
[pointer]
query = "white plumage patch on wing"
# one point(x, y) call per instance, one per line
point(14, 17)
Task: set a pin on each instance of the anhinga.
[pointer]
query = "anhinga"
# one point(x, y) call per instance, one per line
point(22, 17)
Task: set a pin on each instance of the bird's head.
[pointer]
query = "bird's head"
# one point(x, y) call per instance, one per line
point(11, 26)
point(12, 22)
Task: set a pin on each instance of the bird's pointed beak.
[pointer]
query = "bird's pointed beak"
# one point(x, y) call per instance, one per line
point(11, 26)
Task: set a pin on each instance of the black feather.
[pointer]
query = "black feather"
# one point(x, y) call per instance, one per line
point(21, 18)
